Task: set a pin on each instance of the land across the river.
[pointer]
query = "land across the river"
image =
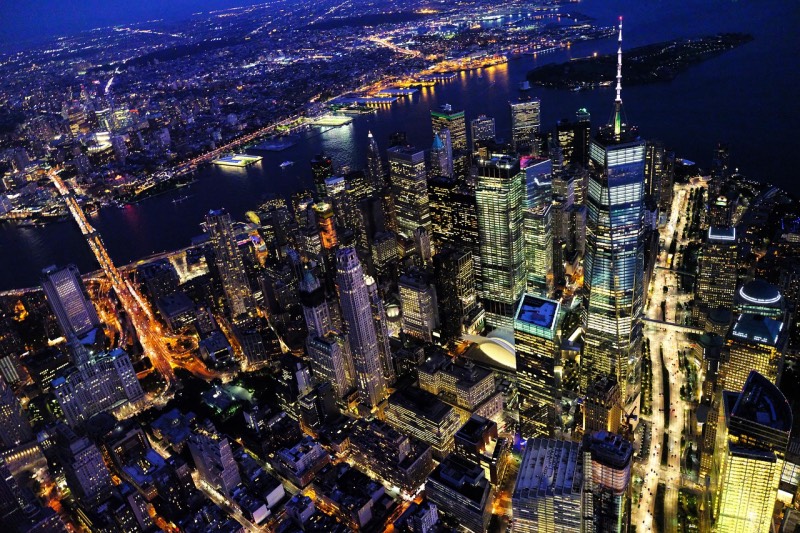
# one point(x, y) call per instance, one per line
point(645, 64)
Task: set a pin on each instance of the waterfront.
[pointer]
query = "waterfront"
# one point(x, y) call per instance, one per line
point(758, 81)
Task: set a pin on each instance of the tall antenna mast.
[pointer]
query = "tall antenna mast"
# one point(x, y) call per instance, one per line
point(618, 100)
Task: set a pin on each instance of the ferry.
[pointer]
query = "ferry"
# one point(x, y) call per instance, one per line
point(287, 164)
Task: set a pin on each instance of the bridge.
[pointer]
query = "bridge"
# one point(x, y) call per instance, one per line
point(673, 326)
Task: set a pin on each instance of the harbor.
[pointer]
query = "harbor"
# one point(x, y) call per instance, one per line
point(237, 160)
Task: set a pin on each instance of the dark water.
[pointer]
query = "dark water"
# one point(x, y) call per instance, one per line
point(747, 97)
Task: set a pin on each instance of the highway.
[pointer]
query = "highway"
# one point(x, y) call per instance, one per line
point(668, 419)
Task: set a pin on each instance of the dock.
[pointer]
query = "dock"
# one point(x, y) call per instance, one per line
point(331, 120)
point(237, 160)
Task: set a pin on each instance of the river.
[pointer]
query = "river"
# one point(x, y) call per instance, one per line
point(747, 97)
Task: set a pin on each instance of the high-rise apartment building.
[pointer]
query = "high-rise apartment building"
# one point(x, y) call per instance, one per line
point(614, 262)
point(499, 196)
point(717, 276)
point(536, 337)
point(359, 323)
point(408, 177)
point(752, 439)
point(230, 264)
point(67, 297)
point(526, 121)
point(213, 458)
point(547, 493)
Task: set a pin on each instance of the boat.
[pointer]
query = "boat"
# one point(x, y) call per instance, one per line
point(181, 199)
point(287, 164)
point(525, 86)
point(577, 88)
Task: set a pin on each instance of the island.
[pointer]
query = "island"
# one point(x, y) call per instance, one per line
point(646, 64)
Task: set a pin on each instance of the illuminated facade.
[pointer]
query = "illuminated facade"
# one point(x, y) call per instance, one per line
point(65, 292)
point(482, 129)
point(538, 227)
point(360, 326)
point(408, 176)
point(326, 224)
point(230, 264)
point(614, 264)
point(455, 290)
point(418, 298)
point(716, 279)
point(547, 493)
point(499, 196)
point(752, 439)
point(755, 343)
point(536, 330)
point(525, 123)
point(607, 459)
point(422, 415)
point(453, 120)
point(331, 362)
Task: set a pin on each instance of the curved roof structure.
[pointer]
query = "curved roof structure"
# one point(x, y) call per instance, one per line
point(759, 292)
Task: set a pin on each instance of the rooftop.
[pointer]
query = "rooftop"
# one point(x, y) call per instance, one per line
point(722, 234)
point(759, 292)
point(757, 328)
point(537, 311)
point(762, 402)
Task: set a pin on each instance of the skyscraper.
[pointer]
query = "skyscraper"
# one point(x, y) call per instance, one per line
point(230, 264)
point(525, 123)
point(755, 343)
point(536, 337)
point(375, 174)
point(614, 262)
point(418, 299)
point(717, 276)
point(408, 177)
point(499, 195)
point(84, 469)
point(455, 290)
point(538, 227)
point(607, 459)
point(752, 439)
point(381, 329)
point(14, 426)
point(442, 154)
point(331, 362)
point(67, 297)
point(360, 326)
point(321, 169)
point(453, 120)
point(315, 307)
point(482, 129)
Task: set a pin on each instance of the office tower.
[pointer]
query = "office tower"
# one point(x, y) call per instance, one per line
point(321, 169)
point(717, 276)
point(755, 343)
point(607, 459)
point(86, 473)
point(759, 297)
point(536, 337)
point(331, 362)
point(538, 228)
point(442, 154)
point(100, 384)
point(67, 297)
point(407, 174)
point(381, 329)
point(422, 415)
point(547, 493)
point(465, 228)
point(422, 246)
point(659, 174)
point(614, 262)
point(720, 171)
point(418, 299)
point(752, 439)
point(440, 192)
point(294, 381)
point(602, 407)
point(315, 307)
point(564, 143)
point(456, 296)
point(452, 120)
point(468, 388)
point(375, 174)
point(326, 224)
point(230, 264)
point(582, 138)
point(499, 196)
point(460, 489)
point(385, 256)
point(482, 129)
point(213, 458)
point(525, 123)
point(360, 326)
point(14, 426)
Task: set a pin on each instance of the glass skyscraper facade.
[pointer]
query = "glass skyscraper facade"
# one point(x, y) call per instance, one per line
point(614, 262)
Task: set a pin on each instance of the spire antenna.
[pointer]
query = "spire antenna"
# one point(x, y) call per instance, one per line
point(618, 100)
